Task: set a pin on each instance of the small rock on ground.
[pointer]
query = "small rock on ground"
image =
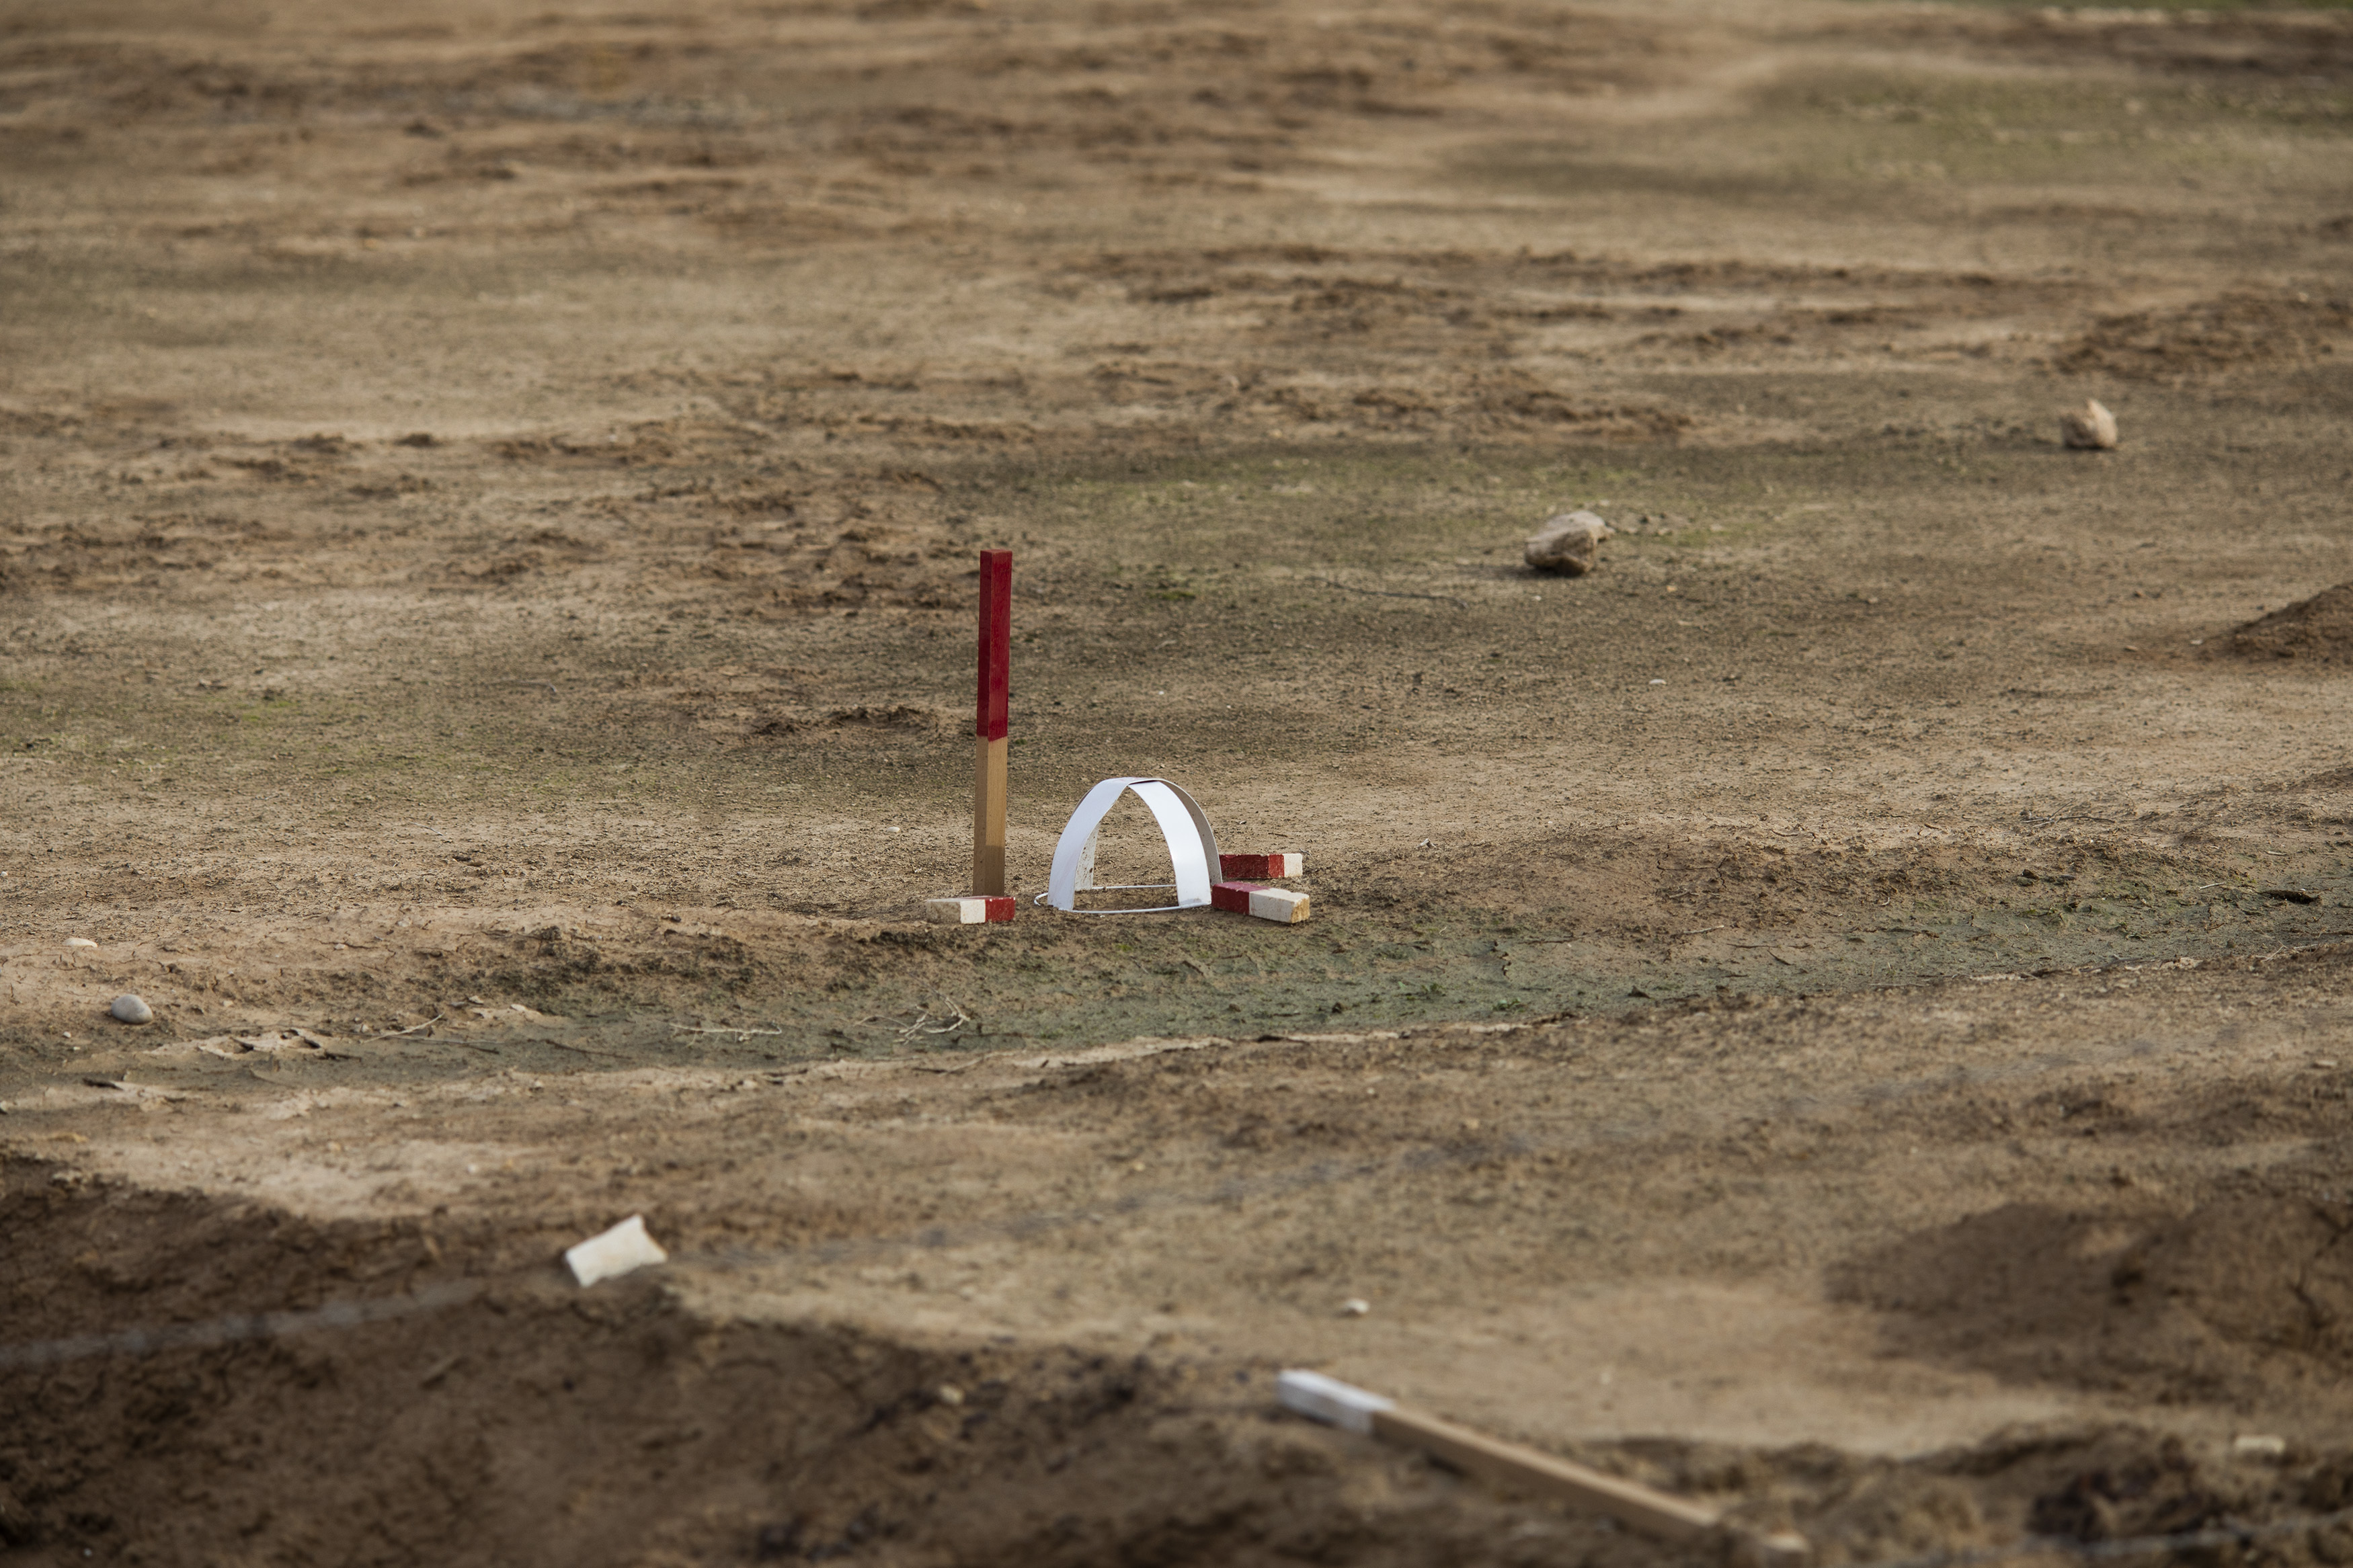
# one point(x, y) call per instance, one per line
point(2089, 429)
point(131, 1009)
point(1569, 543)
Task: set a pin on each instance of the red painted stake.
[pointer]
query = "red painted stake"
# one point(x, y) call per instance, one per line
point(990, 721)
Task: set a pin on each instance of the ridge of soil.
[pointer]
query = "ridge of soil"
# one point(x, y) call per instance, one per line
point(2320, 627)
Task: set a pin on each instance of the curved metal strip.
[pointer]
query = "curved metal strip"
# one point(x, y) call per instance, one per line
point(1062, 883)
point(1192, 843)
point(1181, 828)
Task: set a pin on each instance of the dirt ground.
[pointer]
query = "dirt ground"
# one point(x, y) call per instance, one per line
point(1844, 1012)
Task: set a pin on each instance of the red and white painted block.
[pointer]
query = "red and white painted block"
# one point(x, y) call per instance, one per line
point(1240, 865)
point(968, 912)
point(1280, 905)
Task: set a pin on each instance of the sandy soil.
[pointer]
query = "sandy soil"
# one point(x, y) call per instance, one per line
point(1842, 1011)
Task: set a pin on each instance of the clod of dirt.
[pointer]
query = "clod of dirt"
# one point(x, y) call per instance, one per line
point(2146, 1494)
point(132, 1009)
point(1569, 543)
point(2319, 628)
point(2090, 429)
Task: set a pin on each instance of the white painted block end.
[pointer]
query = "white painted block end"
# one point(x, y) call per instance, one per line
point(1328, 1399)
point(617, 1251)
point(1278, 904)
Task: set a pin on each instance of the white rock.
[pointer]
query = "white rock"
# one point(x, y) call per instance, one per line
point(79, 941)
point(617, 1251)
point(1569, 543)
point(1355, 1307)
point(131, 1009)
point(2090, 428)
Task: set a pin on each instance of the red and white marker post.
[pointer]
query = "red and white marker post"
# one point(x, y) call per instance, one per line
point(991, 719)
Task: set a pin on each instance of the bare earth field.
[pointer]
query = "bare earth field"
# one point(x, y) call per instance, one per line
point(1845, 1013)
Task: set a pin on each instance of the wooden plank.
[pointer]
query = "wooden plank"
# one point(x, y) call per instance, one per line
point(1532, 1473)
point(1536, 1474)
point(989, 818)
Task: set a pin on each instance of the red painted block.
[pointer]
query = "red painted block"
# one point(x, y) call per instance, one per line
point(1284, 864)
point(1234, 896)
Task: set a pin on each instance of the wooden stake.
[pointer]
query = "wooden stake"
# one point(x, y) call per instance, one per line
point(990, 721)
point(1532, 1473)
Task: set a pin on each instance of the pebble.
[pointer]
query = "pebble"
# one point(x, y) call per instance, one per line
point(79, 941)
point(132, 1009)
point(1569, 543)
point(2090, 429)
point(1355, 1307)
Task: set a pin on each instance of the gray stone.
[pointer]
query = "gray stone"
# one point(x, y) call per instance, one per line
point(2090, 429)
point(131, 1009)
point(1569, 543)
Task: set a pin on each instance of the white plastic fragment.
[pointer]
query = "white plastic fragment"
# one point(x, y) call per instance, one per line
point(1328, 1400)
point(617, 1251)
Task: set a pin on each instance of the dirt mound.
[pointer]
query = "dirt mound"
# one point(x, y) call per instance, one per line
point(2319, 628)
point(521, 1421)
point(535, 1422)
point(2248, 1294)
point(2232, 332)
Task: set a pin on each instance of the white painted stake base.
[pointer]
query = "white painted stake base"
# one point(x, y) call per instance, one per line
point(617, 1251)
point(969, 911)
point(1328, 1399)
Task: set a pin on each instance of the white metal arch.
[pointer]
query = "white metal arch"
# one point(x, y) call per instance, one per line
point(1192, 846)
